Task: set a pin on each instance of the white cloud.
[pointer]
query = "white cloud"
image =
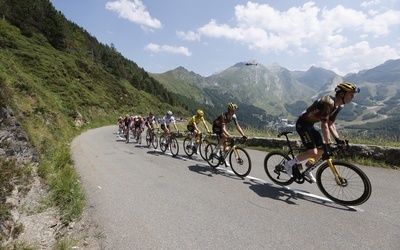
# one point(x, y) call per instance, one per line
point(332, 33)
point(355, 57)
point(370, 3)
point(134, 11)
point(188, 36)
point(169, 49)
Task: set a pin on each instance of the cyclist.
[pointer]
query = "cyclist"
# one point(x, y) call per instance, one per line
point(323, 110)
point(219, 128)
point(150, 122)
point(192, 125)
point(167, 119)
point(127, 126)
point(138, 126)
point(120, 125)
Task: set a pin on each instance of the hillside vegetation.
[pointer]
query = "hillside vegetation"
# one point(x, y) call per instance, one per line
point(52, 72)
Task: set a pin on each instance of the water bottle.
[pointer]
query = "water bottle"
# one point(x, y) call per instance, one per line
point(310, 162)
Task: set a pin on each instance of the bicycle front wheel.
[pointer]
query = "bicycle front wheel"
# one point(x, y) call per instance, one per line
point(174, 146)
point(155, 141)
point(274, 166)
point(148, 140)
point(187, 147)
point(212, 160)
point(163, 143)
point(240, 162)
point(202, 148)
point(351, 188)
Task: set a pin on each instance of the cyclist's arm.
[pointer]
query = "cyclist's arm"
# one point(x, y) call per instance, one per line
point(239, 129)
point(225, 131)
point(326, 132)
point(176, 127)
point(332, 129)
point(205, 125)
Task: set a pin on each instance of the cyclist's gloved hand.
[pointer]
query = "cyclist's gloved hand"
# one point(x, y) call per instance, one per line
point(245, 138)
point(340, 141)
point(332, 148)
point(208, 131)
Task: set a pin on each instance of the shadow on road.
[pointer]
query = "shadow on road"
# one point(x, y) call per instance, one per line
point(290, 196)
point(209, 171)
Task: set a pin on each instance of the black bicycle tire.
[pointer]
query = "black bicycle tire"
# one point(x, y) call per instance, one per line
point(188, 151)
point(163, 147)
point(202, 149)
point(232, 163)
point(173, 144)
point(213, 162)
point(155, 141)
point(148, 141)
point(270, 166)
point(344, 169)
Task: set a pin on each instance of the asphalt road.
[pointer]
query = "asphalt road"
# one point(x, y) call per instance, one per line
point(144, 199)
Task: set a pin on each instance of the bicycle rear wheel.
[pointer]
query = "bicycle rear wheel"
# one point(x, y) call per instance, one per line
point(240, 162)
point(174, 146)
point(163, 143)
point(274, 166)
point(212, 161)
point(353, 188)
point(155, 141)
point(187, 147)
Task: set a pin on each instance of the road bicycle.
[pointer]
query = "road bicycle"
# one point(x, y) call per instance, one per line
point(190, 146)
point(238, 158)
point(340, 181)
point(151, 139)
point(169, 142)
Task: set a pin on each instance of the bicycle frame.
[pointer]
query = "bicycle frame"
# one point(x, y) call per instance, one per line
point(326, 157)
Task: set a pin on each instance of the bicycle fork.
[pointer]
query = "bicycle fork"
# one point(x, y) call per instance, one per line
point(338, 178)
point(237, 155)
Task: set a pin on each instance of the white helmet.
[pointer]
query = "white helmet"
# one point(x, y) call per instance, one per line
point(169, 113)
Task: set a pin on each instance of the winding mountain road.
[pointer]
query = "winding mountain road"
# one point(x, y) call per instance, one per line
point(144, 199)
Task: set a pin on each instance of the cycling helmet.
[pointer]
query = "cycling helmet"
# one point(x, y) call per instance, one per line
point(119, 118)
point(169, 113)
point(200, 112)
point(127, 115)
point(232, 106)
point(347, 87)
point(151, 114)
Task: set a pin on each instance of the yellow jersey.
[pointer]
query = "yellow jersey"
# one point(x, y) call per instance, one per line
point(196, 120)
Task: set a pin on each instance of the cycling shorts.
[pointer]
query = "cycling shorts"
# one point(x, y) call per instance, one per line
point(310, 137)
point(163, 126)
point(190, 128)
point(217, 129)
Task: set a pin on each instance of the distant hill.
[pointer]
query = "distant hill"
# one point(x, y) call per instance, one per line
point(284, 93)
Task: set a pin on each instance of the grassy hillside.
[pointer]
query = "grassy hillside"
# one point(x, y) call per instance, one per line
point(48, 88)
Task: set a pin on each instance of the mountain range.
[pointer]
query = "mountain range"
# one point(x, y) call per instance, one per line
point(282, 93)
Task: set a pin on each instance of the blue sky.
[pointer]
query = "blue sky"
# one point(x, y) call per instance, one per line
point(209, 36)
